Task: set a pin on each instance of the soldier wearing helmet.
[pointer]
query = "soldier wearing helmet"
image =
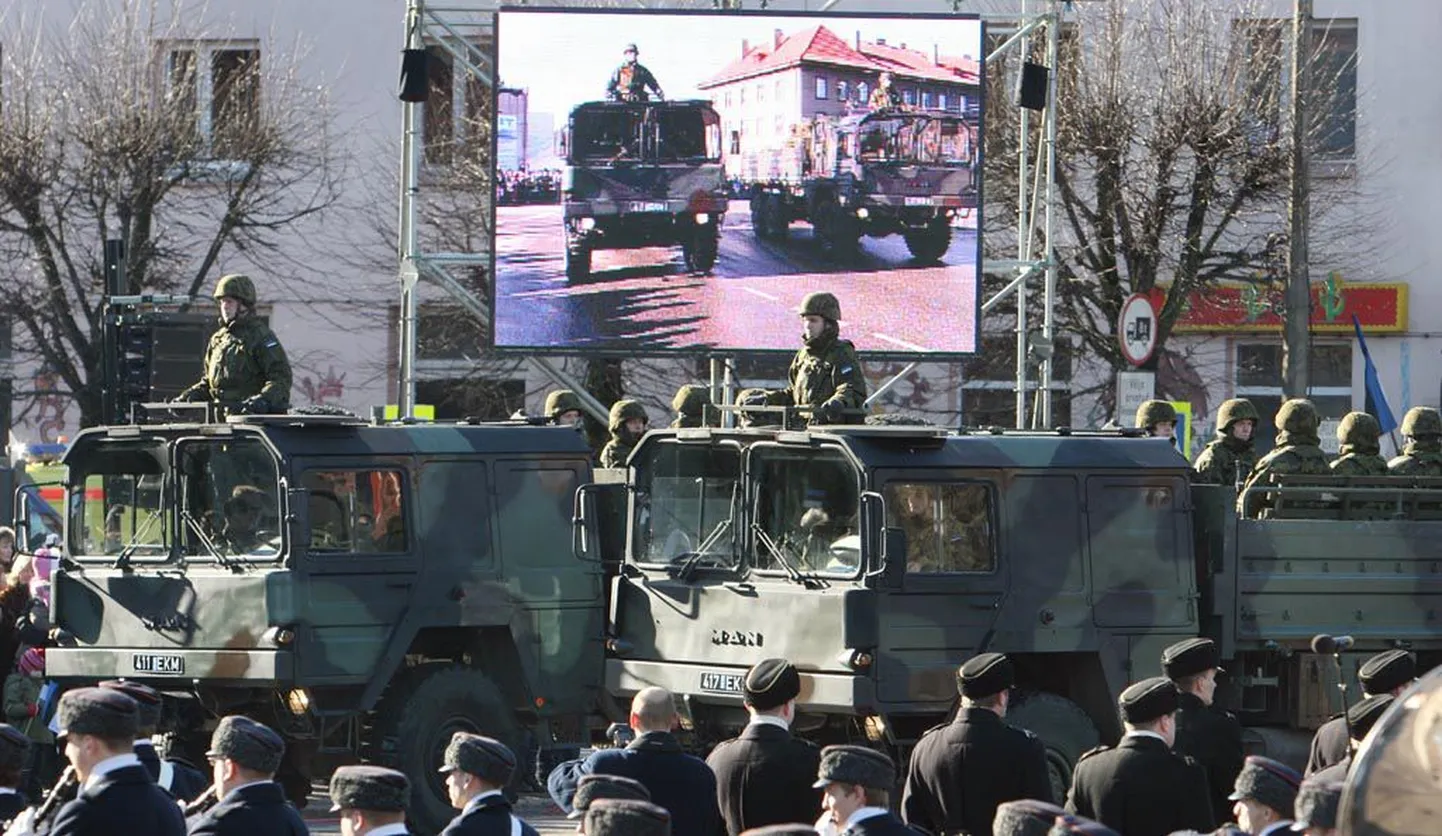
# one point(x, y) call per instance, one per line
point(1298, 449)
point(1158, 418)
point(1422, 455)
point(690, 405)
point(246, 369)
point(628, 424)
point(631, 81)
point(825, 374)
point(563, 408)
point(1359, 447)
point(1229, 458)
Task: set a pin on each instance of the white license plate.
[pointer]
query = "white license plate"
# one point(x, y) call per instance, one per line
point(920, 201)
point(647, 207)
point(722, 683)
point(158, 663)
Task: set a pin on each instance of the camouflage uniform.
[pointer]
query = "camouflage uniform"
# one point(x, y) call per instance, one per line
point(1227, 459)
point(1298, 448)
point(826, 375)
point(619, 448)
point(756, 398)
point(1358, 447)
point(246, 368)
point(631, 81)
point(690, 405)
point(1422, 455)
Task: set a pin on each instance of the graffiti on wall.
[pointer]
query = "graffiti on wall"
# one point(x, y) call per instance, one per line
point(326, 388)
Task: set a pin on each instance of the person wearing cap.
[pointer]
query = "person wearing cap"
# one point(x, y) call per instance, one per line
point(628, 817)
point(14, 753)
point(184, 782)
point(679, 782)
point(856, 787)
point(962, 771)
point(246, 368)
point(563, 408)
point(477, 770)
point(1315, 810)
point(116, 795)
point(1265, 793)
point(1079, 826)
point(1360, 718)
point(371, 800)
point(764, 776)
point(1141, 787)
point(244, 756)
point(1206, 733)
point(1025, 817)
point(825, 375)
point(593, 788)
point(1389, 672)
point(632, 82)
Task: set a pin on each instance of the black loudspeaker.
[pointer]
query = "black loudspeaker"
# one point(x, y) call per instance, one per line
point(1031, 84)
point(414, 84)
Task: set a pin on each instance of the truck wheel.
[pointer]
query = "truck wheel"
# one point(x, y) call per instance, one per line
point(776, 223)
point(414, 725)
point(700, 252)
point(930, 244)
point(578, 262)
point(1065, 730)
point(760, 223)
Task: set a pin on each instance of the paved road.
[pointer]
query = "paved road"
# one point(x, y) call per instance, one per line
point(644, 299)
point(536, 809)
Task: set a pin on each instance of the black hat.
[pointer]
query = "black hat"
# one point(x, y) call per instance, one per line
point(1365, 714)
point(984, 675)
point(627, 817)
point(101, 712)
point(781, 830)
point(1149, 700)
point(1190, 657)
point(845, 764)
point(1068, 825)
point(147, 701)
point(1387, 671)
point(1316, 804)
point(1267, 782)
point(484, 757)
point(771, 683)
point(597, 785)
point(13, 747)
point(250, 744)
point(369, 788)
point(1027, 817)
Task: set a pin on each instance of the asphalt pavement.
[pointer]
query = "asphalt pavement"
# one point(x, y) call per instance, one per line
point(645, 300)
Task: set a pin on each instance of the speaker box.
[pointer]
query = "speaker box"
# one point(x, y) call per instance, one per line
point(414, 82)
point(1031, 85)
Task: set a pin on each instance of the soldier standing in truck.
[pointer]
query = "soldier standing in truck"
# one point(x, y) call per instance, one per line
point(246, 368)
point(631, 81)
point(825, 374)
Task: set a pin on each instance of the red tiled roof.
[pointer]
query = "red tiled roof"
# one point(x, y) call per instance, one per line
point(819, 45)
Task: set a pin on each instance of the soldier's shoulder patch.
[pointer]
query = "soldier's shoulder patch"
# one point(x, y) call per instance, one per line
point(1190, 761)
point(1090, 752)
point(271, 343)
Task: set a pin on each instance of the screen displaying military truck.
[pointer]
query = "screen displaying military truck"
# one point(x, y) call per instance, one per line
point(643, 174)
point(886, 172)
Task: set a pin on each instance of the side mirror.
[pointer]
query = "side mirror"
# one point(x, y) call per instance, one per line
point(22, 520)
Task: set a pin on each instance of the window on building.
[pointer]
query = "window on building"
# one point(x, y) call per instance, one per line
point(780, 90)
point(1259, 380)
point(941, 101)
point(843, 90)
point(741, 96)
point(355, 511)
point(863, 92)
point(780, 126)
point(735, 142)
point(909, 97)
point(216, 90)
point(926, 99)
point(760, 92)
point(1333, 65)
point(988, 391)
point(821, 88)
point(728, 98)
point(948, 526)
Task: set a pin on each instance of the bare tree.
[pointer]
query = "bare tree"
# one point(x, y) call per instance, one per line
point(120, 125)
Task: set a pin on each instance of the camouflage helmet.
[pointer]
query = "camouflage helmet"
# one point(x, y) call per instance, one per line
point(1233, 410)
point(821, 304)
point(624, 410)
point(755, 397)
point(236, 286)
point(1297, 415)
point(691, 399)
point(560, 402)
point(1151, 413)
point(1358, 428)
point(1421, 421)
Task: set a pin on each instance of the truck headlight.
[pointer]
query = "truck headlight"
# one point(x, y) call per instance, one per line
point(702, 219)
point(588, 224)
point(862, 213)
point(298, 701)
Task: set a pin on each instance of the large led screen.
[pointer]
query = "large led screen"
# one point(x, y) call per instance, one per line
point(673, 181)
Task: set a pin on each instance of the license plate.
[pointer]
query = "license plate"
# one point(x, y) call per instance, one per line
point(158, 663)
point(722, 683)
point(648, 206)
point(919, 201)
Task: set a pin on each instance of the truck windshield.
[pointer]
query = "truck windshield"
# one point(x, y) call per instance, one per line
point(117, 502)
point(687, 505)
point(228, 498)
point(642, 133)
point(806, 511)
point(916, 138)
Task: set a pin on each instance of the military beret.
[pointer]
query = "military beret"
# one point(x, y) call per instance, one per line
point(1269, 783)
point(1190, 657)
point(1067, 825)
point(14, 745)
point(781, 830)
point(1365, 714)
point(846, 764)
point(250, 744)
point(369, 788)
point(597, 786)
point(1149, 700)
point(484, 757)
point(101, 712)
point(984, 675)
point(1316, 805)
point(1387, 671)
point(147, 701)
point(1027, 817)
point(771, 683)
point(627, 817)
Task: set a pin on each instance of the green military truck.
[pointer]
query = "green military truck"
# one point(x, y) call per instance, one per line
point(365, 589)
point(879, 558)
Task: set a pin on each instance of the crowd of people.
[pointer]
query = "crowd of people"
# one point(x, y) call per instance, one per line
point(523, 186)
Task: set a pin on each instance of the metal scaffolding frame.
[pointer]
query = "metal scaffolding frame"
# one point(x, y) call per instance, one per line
point(457, 30)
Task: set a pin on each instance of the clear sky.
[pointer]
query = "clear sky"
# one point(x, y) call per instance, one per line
point(567, 58)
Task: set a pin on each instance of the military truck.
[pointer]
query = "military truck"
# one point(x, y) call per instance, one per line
point(879, 173)
point(365, 589)
point(643, 174)
point(879, 558)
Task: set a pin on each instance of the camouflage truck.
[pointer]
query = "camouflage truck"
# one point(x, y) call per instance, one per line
point(643, 174)
point(365, 589)
point(879, 558)
point(880, 173)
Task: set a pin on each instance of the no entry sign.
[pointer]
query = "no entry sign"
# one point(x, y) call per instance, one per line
point(1137, 329)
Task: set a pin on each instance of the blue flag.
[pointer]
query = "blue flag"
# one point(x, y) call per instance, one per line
point(1374, 386)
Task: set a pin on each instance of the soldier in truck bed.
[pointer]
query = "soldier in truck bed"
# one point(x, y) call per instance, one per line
point(1298, 449)
point(1422, 456)
point(825, 374)
point(1359, 446)
point(631, 81)
point(1229, 458)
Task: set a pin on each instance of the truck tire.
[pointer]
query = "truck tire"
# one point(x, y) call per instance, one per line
point(839, 233)
point(414, 724)
point(699, 252)
point(1064, 728)
point(578, 262)
point(928, 245)
point(760, 204)
point(776, 223)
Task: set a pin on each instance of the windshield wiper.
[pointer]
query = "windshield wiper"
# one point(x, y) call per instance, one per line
point(684, 571)
point(809, 581)
point(122, 560)
point(196, 529)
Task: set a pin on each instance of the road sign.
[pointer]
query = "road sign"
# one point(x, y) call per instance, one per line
point(1133, 389)
point(1183, 438)
point(1137, 329)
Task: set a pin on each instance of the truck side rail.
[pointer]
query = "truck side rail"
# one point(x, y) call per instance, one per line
point(1319, 497)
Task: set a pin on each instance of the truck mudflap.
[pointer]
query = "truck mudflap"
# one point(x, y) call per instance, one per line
point(721, 684)
point(185, 666)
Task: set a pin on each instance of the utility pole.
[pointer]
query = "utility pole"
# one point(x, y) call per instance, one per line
point(1296, 376)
